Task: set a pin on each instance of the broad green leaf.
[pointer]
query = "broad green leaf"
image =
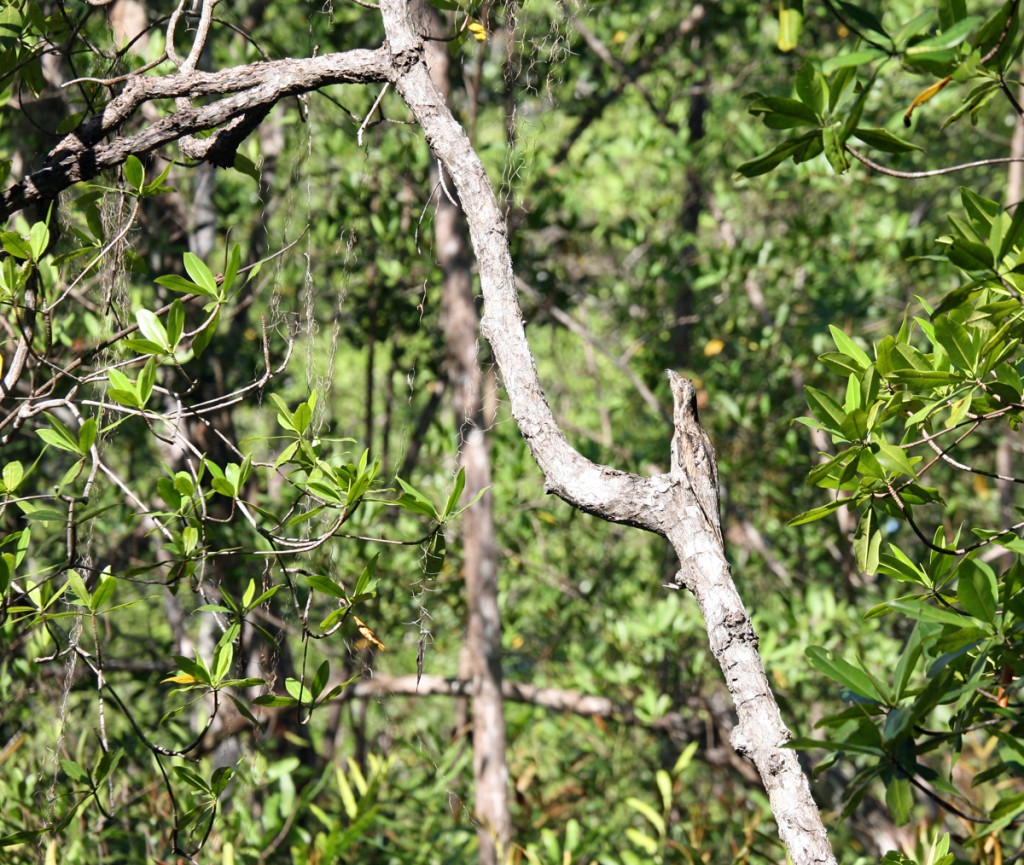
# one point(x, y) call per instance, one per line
point(175, 323)
point(924, 612)
point(201, 274)
point(977, 590)
point(847, 346)
point(152, 328)
point(817, 513)
point(781, 112)
point(882, 139)
point(134, 173)
point(825, 409)
point(326, 585)
point(179, 283)
point(320, 678)
point(766, 162)
point(947, 39)
point(645, 810)
point(86, 435)
point(867, 541)
point(956, 342)
point(834, 152)
point(846, 674)
point(854, 58)
point(894, 459)
point(38, 240)
point(59, 436)
point(899, 799)
point(13, 474)
point(812, 89)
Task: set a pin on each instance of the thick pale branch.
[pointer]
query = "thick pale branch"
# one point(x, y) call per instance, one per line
point(660, 504)
point(255, 88)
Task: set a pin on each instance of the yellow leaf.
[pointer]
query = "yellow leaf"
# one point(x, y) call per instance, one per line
point(619, 37)
point(479, 31)
point(924, 96)
point(790, 23)
point(182, 679)
point(367, 634)
point(713, 347)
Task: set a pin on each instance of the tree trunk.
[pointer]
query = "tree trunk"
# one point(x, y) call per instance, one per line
point(482, 648)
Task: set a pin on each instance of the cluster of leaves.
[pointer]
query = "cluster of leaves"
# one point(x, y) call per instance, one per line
point(203, 520)
point(914, 436)
point(967, 49)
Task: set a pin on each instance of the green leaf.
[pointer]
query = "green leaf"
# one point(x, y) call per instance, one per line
point(38, 240)
point(825, 409)
point(817, 513)
point(948, 39)
point(275, 700)
point(781, 112)
point(175, 323)
point(867, 541)
point(223, 656)
point(894, 459)
point(104, 591)
point(367, 577)
point(924, 612)
point(977, 590)
point(320, 678)
point(59, 436)
point(134, 173)
point(86, 435)
point(434, 555)
point(863, 20)
point(848, 347)
point(206, 335)
point(766, 162)
point(201, 274)
point(106, 764)
point(246, 166)
point(834, 152)
point(152, 329)
point(956, 342)
point(179, 283)
point(854, 58)
point(846, 674)
point(882, 139)
point(455, 494)
point(812, 89)
point(13, 474)
point(147, 378)
point(326, 585)
point(652, 816)
point(899, 799)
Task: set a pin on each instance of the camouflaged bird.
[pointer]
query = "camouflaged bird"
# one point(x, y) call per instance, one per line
point(693, 455)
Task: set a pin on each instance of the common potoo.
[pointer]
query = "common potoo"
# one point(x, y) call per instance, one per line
point(693, 455)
